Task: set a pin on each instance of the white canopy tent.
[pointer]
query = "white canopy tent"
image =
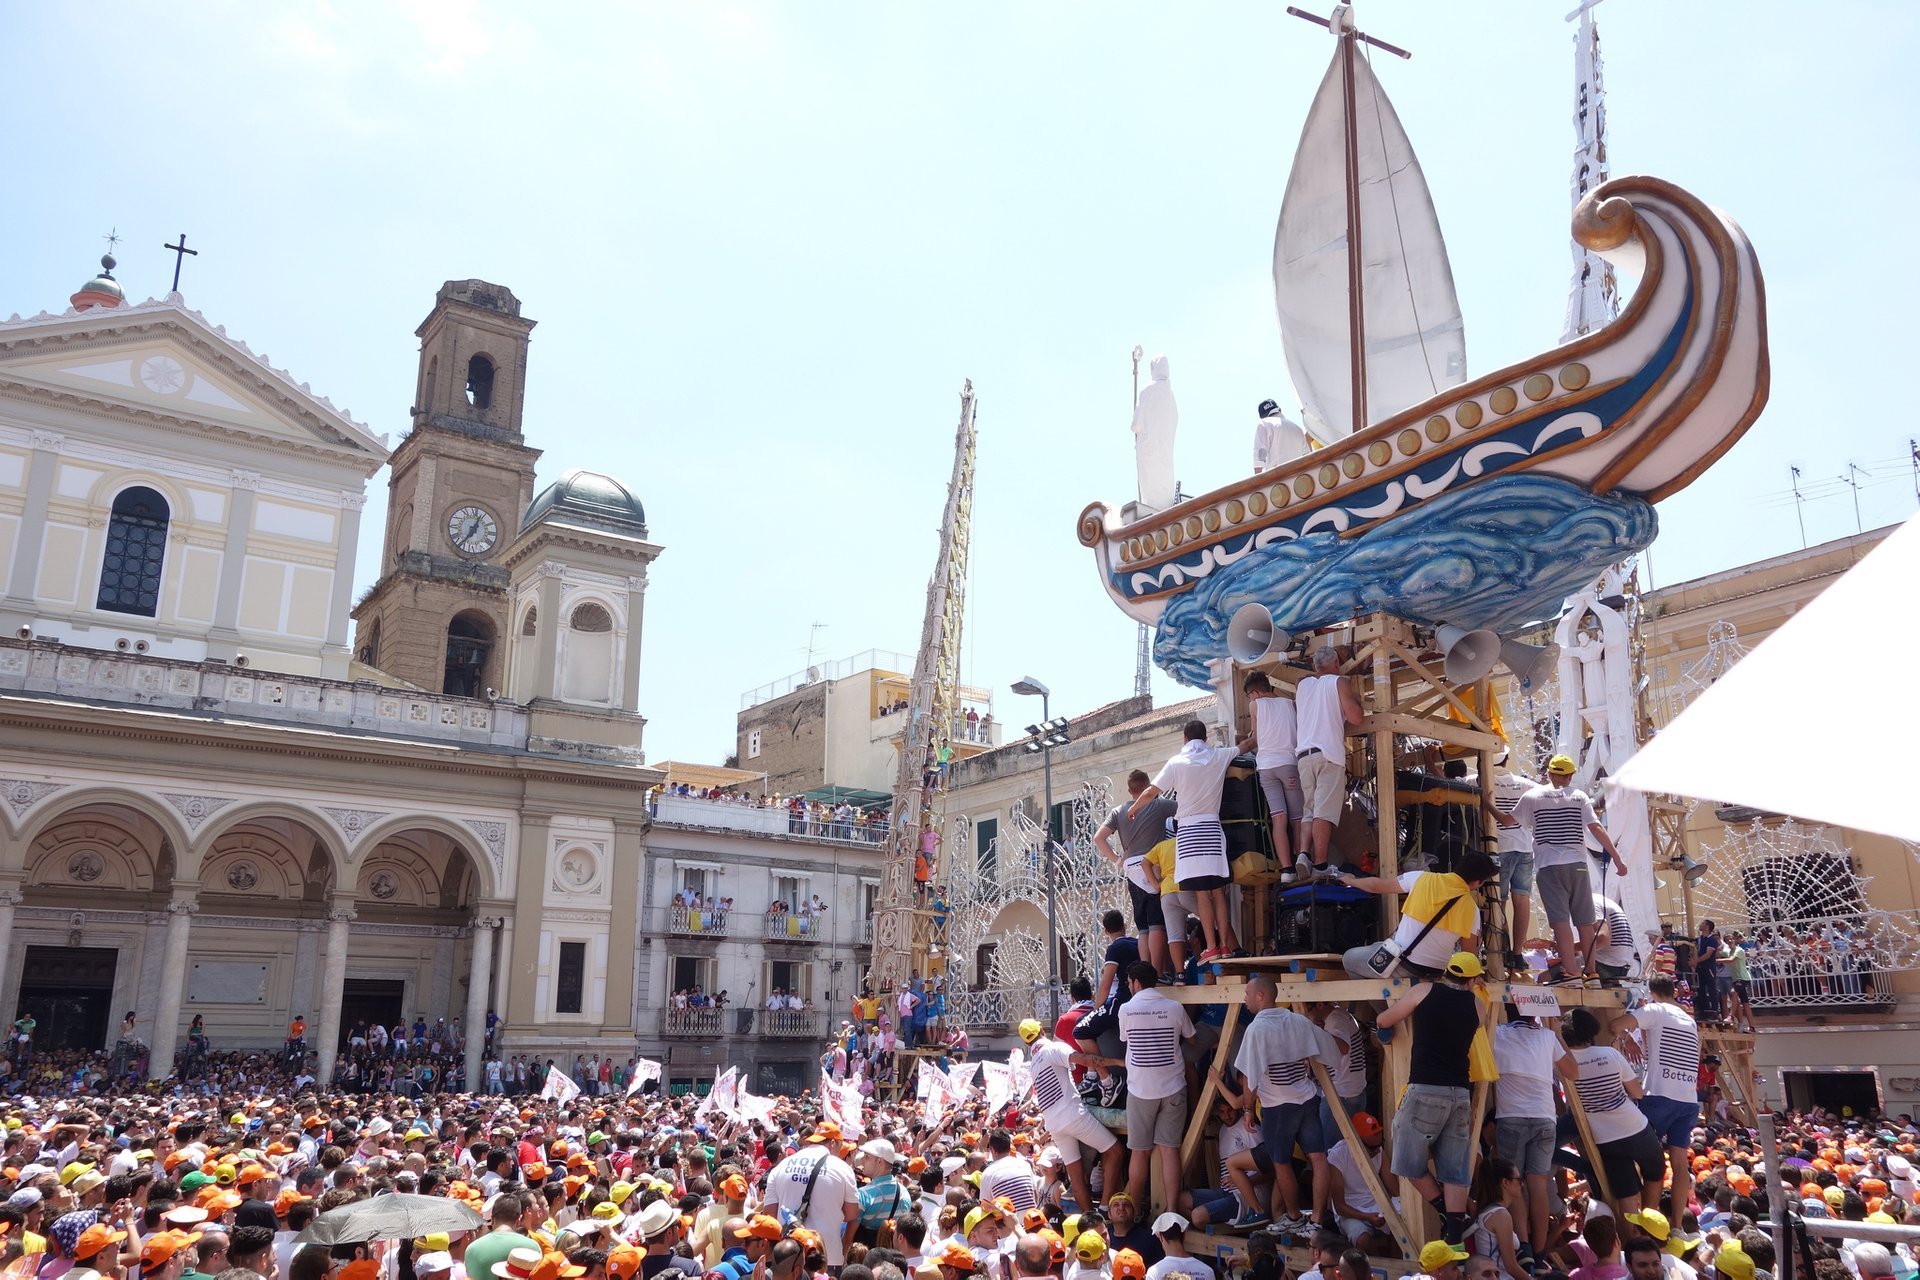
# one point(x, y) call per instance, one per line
point(1820, 719)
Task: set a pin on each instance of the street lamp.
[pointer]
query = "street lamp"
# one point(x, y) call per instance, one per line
point(1051, 732)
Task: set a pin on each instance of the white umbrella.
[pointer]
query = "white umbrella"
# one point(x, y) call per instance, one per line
point(1818, 721)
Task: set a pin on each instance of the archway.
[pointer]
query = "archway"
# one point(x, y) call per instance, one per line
point(469, 646)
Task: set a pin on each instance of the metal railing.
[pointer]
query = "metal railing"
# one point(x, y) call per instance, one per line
point(694, 1024)
point(695, 922)
point(850, 830)
point(988, 1007)
point(1790, 985)
point(789, 926)
point(790, 1024)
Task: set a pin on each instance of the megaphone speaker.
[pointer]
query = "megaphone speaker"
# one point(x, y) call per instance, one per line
point(1693, 870)
point(1252, 637)
point(1530, 663)
point(1469, 654)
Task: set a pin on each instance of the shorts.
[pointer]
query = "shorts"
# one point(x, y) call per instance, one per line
point(1281, 786)
point(1566, 894)
point(1527, 1141)
point(1201, 884)
point(1740, 987)
point(1323, 783)
point(1516, 872)
point(1176, 907)
point(1079, 1135)
point(1633, 1161)
point(1096, 1022)
point(1354, 1228)
point(1431, 1124)
point(1288, 1123)
point(1147, 913)
point(1155, 1122)
point(1672, 1120)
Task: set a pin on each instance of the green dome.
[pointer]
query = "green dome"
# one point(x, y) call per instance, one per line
point(589, 498)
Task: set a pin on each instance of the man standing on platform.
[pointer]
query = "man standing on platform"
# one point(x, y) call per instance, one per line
point(1137, 836)
point(1325, 704)
point(1277, 756)
point(1197, 775)
point(1560, 819)
point(1073, 1128)
point(1153, 1027)
point(1671, 1101)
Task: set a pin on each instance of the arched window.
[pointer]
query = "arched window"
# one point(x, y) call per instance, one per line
point(480, 382)
point(136, 546)
point(469, 641)
point(530, 625)
point(370, 651)
point(591, 617)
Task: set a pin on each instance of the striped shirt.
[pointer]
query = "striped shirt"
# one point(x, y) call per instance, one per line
point(1615, 945)
point(1153, 1027)
point(1602, 1086)
point(1012, 1177)
point(1349, 1080)
point(1557, 818)
point(1673, 1051)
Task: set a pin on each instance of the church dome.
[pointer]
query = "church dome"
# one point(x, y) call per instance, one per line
point(101, 291)
point(592, 499)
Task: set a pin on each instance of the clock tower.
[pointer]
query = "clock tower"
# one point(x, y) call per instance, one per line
point(458, 486)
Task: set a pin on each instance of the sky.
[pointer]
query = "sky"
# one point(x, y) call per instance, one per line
point(766, 242)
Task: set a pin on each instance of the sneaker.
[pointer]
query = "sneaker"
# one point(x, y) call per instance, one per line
point(1515, 962)
point(1303, 867)
point(1090, 1087)
point(1238, 953)
point(1296, 1224)
point(1113, 1094)
point(1559, 978)
point(1248, 1219)
point(1167, 978)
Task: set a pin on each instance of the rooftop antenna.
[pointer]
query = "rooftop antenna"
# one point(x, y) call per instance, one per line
point(1849, 481)
point(1798, 508)
point(1913, 447)
point(813, 636)
point(1143, 660)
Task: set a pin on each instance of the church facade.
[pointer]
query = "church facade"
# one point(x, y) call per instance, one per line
point(221, 797)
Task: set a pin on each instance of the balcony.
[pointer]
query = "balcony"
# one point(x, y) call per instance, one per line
point(788, 927)
point(790, 1024)
point(694, 1024)
point(730, 815)
point(689, 922)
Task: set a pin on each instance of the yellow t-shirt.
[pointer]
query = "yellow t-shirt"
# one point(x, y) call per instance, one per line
point(1160, 858)
point(32, 1243)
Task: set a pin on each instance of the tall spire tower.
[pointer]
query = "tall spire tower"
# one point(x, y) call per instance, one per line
point(1595, 297)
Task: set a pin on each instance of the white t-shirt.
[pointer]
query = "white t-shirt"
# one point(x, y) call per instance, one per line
point(833, 1190)
point(1602, 1086)
point(1318, 720)
point(1197, 776)
point(1153, 1027)
point(1438, 946)
point(1012, 1177)
point(1180, 1267)
point(1273, 726)
point(1673, 1051)
point(1340, 1156)
point(1613, 941)
point(1525, 1055)
point(1052, 1071)
point(1557, 818)
point(1234, 1139)
point(1350, 1077)
point(1508, 787)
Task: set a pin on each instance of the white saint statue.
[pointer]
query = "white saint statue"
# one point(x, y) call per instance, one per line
point(1155, 419)
point(1276, 440)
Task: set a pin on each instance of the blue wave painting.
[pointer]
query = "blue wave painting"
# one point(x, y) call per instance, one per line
point(1499, 554)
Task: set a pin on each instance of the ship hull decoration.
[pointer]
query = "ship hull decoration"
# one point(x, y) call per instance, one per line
point(1485, 504)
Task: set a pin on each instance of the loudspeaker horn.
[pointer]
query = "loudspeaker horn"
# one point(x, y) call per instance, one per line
point(1469, 654)
point(1530, 663)
point(1252, 637)
point(1693, 869)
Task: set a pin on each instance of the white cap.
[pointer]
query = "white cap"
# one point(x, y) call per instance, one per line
point(433, 1263)
point(1169, 1221)
point(952, 1165)
point(882, 1149)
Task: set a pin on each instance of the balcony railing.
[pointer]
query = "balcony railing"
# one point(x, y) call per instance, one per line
point(790, 1024)
point(694, 922)
point(694, 1024)
point(789, 927)
point(729, 815)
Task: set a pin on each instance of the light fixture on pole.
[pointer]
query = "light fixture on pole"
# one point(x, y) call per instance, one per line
point(1051, 732)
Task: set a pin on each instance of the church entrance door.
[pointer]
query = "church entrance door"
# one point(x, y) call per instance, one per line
point(364, 1001)
point(69, 992)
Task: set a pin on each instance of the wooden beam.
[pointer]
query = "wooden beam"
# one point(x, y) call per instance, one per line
point(1368, 1174)
point(1201, 1111)
point(1451, 732)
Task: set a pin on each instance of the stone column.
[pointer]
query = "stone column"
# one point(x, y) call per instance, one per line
point(503, 971)
point(636, 614)
point(333, 984)
point(536, 844)
point(623, 935)
point(479, 969)
point(224, 639)
point(340, 607)
point(9, 899)
point(173, 979)
point(546, 643)
point(24, 577)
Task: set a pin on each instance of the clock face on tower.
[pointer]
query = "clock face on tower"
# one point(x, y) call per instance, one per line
point(472, 530)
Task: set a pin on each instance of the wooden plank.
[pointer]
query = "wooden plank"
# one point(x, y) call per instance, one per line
point(1339, 988)
point(1451, 732)
point(1396, 1067)
point(1368, 1174)
point(1481, 1090)
point(1438, 685)
point(1591, 1147)
point(1201, 1111)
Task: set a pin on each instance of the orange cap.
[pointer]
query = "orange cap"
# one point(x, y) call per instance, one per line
point(957, 1256)
point(94, 1239)
point(1128, 1265)
point(734, 1187)
point(251, 1173)
point(760, 1227)
point(624, 1262)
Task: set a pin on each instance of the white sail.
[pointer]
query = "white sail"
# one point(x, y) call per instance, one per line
point(1416, 344)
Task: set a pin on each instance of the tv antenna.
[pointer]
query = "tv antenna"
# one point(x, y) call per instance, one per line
point(1798, 508)
point(1849, 480)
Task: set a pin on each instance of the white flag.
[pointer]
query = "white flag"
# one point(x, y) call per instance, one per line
point(751, 1106)
point(559, 1086)
point(1022, 1073)
point(840, 1103)
point(961, 1076)
point(724, 1097)
point(939, 1099)
point(996, 1079)
point(644, 1069)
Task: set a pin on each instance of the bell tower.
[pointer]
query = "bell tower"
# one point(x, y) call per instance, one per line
point(458, 487)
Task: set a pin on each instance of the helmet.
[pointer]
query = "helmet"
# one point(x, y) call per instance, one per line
point(1029, 1030)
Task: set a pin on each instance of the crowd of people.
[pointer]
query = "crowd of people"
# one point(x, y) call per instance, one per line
point(826, 820)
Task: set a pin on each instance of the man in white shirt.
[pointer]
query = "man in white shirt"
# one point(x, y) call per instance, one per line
point(1276, 756)
point(1613, 949)
point(1275, 1059)
point(1007, 1174)
point(1197, 774)
point(1529, 1056)
point(1073, 1128)
point(1560, 819)
point(1170, 1229)
point(1152, 1027)
point(1671, 1101)
point(1325, 704)
point(1516, 858)
point(1354, 1206)
point(835, 1203)
point(1350, 1076)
